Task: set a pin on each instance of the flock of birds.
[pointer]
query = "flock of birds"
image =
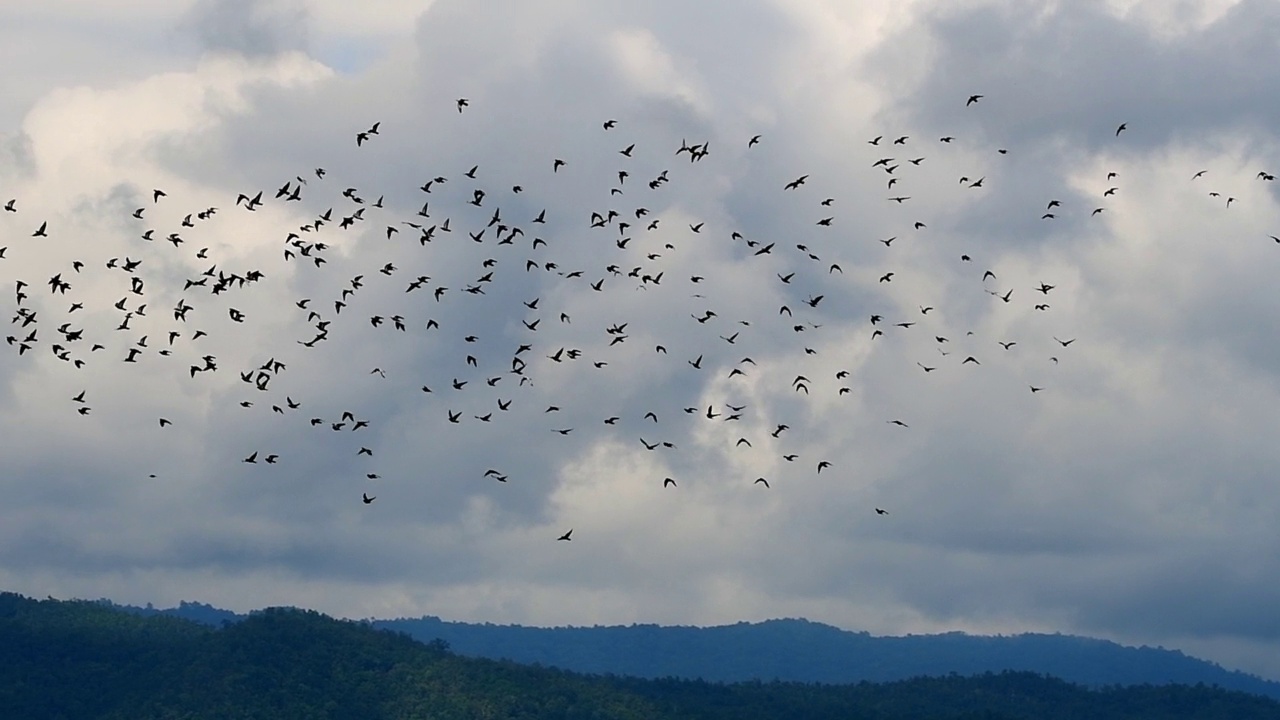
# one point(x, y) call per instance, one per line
point(54, 318)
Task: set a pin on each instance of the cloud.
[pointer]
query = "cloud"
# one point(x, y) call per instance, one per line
point(252, 28)
point(1128, 497)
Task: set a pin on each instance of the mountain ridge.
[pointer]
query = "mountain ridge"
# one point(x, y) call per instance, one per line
point(80, 659)
point(797, 650)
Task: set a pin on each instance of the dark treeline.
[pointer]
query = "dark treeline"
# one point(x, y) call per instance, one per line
point(801, 651)
point(73, 659)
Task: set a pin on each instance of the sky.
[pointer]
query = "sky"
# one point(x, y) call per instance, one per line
point(1064, 406)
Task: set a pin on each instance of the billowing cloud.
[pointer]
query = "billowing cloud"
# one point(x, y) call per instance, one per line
point(1102, 465)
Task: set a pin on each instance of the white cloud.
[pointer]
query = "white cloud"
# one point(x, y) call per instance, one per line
point(1139, 472)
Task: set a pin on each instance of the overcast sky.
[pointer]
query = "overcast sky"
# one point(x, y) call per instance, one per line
point(1134, 495)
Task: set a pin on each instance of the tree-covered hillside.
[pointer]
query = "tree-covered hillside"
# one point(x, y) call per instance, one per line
point(801, 651)
point(72, 660)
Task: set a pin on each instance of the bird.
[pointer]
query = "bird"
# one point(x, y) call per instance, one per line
point(567, 535)
point(558, 262)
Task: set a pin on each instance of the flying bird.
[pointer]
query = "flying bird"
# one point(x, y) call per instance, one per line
point(795, 183)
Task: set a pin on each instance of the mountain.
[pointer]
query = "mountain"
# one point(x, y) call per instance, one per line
point(73, 660)
point(802, 651)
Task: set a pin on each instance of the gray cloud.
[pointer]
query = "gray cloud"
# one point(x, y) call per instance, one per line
point(1129, 498)
point(252, 28)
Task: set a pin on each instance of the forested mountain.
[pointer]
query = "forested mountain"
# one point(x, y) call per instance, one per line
point(802, 651)
point(67, 660)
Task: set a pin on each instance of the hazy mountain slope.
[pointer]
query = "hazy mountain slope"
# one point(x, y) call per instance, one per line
point(72, 660)
point(801, 651)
